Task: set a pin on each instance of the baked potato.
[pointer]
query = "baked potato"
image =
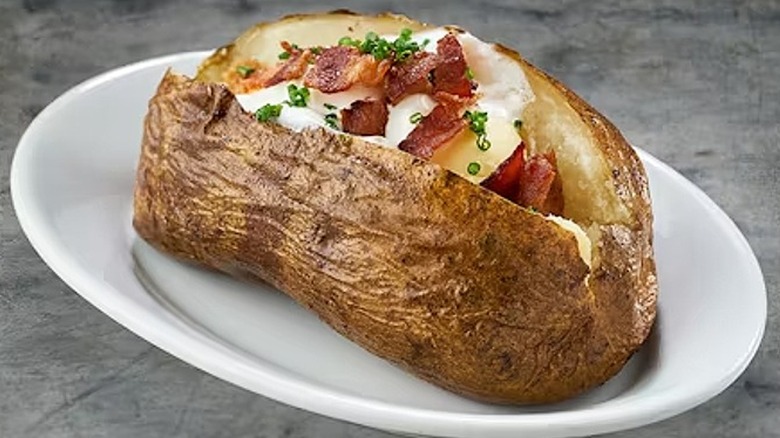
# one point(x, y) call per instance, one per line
point(528, 280)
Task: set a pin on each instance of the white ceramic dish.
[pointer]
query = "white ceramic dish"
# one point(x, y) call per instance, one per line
point(72, 180)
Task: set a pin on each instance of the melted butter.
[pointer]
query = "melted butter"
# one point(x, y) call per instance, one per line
point(462, 150)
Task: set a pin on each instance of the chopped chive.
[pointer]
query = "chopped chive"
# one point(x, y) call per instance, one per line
point(518, 124)
point(268, 112)
point(329, 106)
point(284, 55)
point(477, 121)
point(401, 49)
point(415, 118)
point(469, 74)
point(332, 120)
point(473, 168)
point(347, 41)
point(404, 47)
point(298, 96)
point(403, 56)
point(483, 143)
point(244, 71)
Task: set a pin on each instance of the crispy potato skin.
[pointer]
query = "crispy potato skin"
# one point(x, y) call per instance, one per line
point(415, 264)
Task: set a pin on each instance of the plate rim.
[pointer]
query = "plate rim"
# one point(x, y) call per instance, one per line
point(320, 398)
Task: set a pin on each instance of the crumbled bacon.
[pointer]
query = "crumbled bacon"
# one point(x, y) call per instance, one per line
point(410, 77)
point(553, 203)
point(505, 179)
point(434, 130)
point(531, 182)
point(290, 48)
point(365, 117)
point(242, 77)
point(340, 67)
point(447, 68)
point(539, 184)
point(453, 100)
point(291, 69)
point(450, 73)
point(260, 76)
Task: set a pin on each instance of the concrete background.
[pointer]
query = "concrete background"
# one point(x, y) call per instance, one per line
point(695, 83)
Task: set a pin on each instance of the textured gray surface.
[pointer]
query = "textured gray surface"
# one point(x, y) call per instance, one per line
point(694, 83)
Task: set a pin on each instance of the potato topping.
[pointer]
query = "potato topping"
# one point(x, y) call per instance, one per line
point(420, 100)
point(365, 117)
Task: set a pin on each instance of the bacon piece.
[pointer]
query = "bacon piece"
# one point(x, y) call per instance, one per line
point(410, 77)
point(240, 83)
point(453, 100)
point(262, 76)
point(537, 185)
point(437, 128)
point(554, 202)
point(291, 69)
point(506, 178)
point(449, 75)
point(365, 117)
point(340, 67)
point(530, 182)
point(290, 48)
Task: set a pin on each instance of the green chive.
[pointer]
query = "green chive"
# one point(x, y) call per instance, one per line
point(244, 71)
point(473, 168)
point(483, 143)
point(477, 121)
point(329, 106)
point(284, 55)
point(298, 96)
point(401, 49)
point(469, 74)
point(268, 112)
point(332, 120)
point(403, 56)
point(415, 118)
point(347, 41)
point(518, 124)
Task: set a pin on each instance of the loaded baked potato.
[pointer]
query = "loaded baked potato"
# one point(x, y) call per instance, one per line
point(436, 199)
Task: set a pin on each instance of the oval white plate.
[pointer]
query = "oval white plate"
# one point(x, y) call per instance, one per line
point(72, 180)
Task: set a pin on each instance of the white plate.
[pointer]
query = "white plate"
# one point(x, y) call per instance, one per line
point(72, 180)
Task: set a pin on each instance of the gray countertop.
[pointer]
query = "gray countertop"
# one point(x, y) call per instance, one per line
point(697, 84)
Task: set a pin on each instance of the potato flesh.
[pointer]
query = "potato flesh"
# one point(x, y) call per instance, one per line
point(551, 124)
